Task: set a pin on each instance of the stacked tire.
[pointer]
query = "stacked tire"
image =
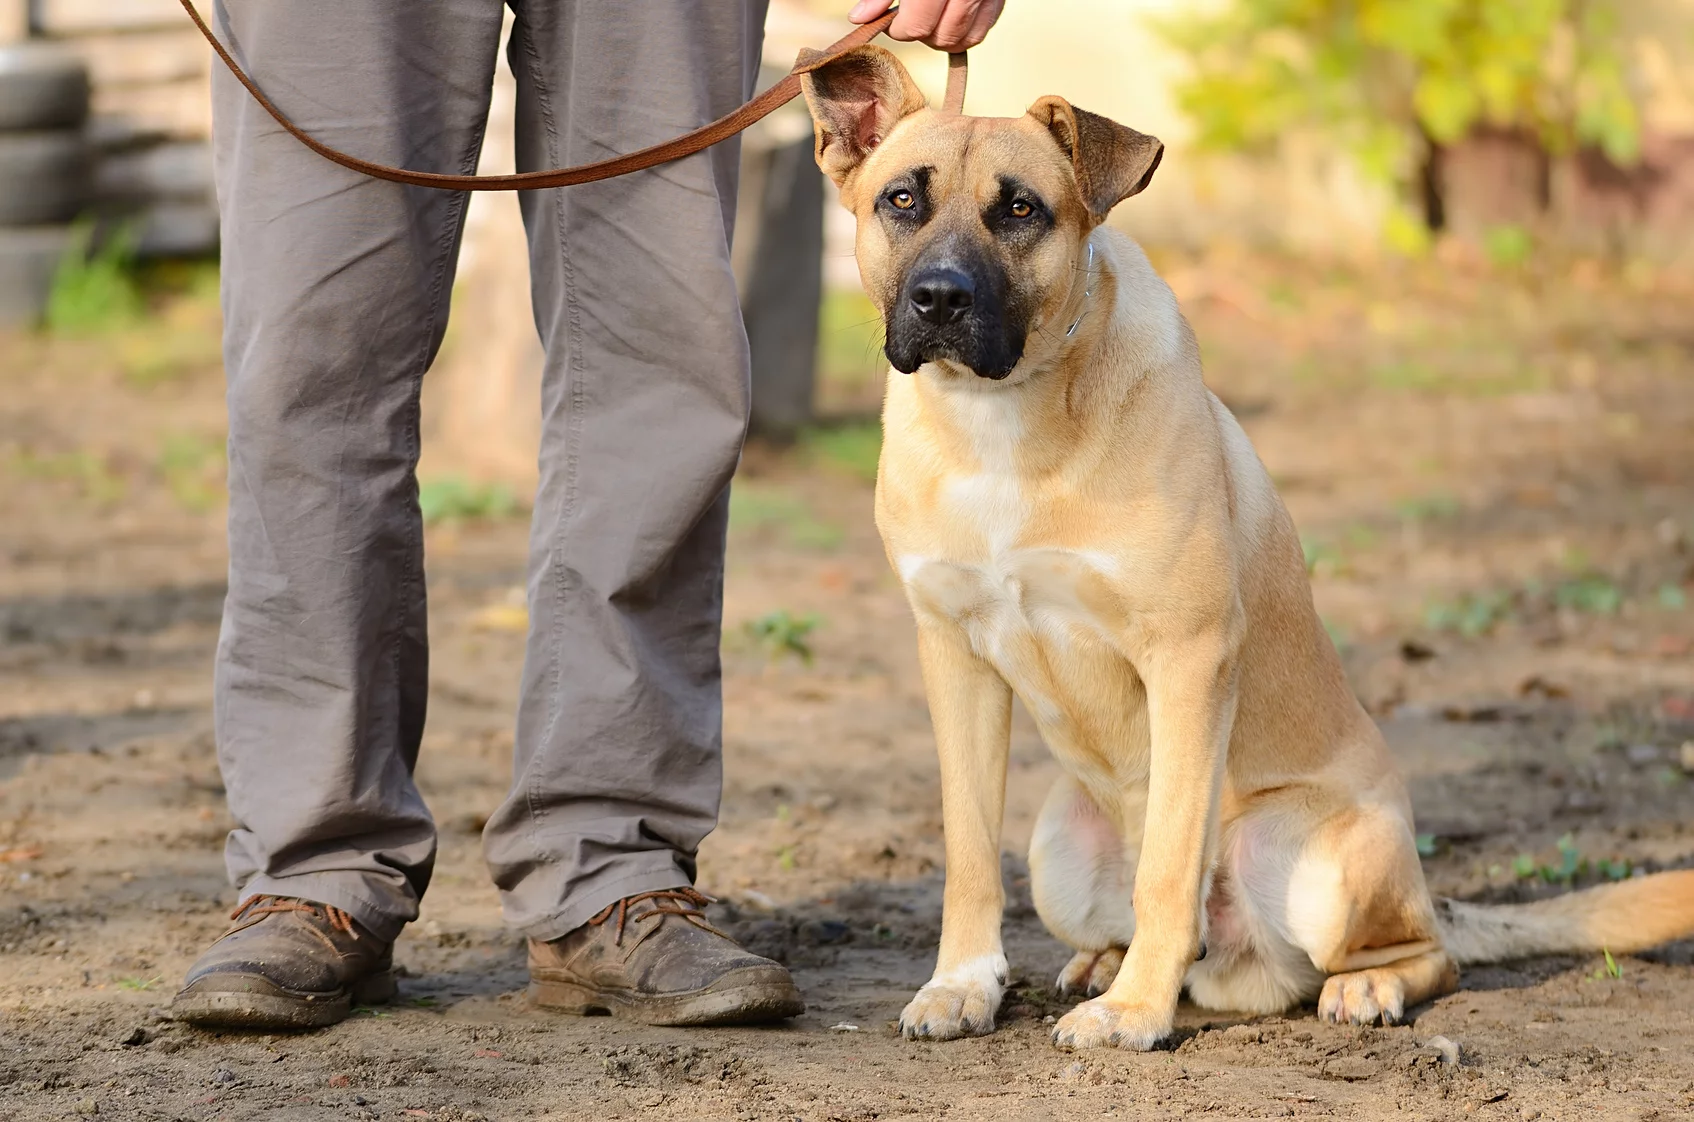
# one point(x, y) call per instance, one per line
point(45, 170)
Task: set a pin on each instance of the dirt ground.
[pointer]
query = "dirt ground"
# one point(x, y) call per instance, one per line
point(1495, 477)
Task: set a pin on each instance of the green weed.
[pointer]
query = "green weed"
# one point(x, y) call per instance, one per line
point(1571, 864)
point(1611, 970)
point(454, 500)
point(782, 632)
point(1471, 615)
point(1428, 845)
point(138, 985)
point(1593, 594)
point(94, 289)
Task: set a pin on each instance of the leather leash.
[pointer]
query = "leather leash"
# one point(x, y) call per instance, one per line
point(685, 145)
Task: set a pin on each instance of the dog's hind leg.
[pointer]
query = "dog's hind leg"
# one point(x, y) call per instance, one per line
point(1358, 906)
point(1082, 876)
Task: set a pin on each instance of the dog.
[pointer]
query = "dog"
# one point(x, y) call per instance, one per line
point(1077, 520)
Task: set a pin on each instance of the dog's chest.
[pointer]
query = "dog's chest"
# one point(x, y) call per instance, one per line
point(990, 569)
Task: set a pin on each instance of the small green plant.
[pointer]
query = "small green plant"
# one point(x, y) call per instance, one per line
point(453, 500)
point(782, 632)
point(1471, 615)
point(94, 289)
point(1428, 845)
point(1570, 865)
point(785, 858)
point(138, 985)
point(1593, 594)
point(1610, 970)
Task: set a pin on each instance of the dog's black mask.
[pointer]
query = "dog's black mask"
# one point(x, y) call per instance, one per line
point(953, 304)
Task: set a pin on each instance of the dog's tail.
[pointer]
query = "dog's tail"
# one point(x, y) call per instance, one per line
point(1631, 915)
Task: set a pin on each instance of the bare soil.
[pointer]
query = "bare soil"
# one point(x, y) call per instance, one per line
point(1495, 475)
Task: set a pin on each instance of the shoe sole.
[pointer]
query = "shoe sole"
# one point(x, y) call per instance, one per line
point(725, 1002)
point(280, 1010)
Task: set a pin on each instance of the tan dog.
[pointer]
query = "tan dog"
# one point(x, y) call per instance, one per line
point(1076, 519)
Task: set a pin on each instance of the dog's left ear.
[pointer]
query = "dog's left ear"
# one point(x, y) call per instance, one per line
point(856, 101)
point(1111, 162)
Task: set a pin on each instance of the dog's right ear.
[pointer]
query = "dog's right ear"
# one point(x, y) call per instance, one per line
point(855, 101)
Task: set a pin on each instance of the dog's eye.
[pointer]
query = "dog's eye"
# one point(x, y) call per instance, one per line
point(903, 200)
point(1021, 209)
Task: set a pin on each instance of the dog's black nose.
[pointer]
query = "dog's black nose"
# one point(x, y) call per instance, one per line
point(942, 295)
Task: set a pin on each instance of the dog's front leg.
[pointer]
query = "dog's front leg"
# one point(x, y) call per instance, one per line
point(970, 706)
point(1191, 705)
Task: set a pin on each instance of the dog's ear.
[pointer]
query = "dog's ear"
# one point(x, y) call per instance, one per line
point(1111, 162)
point(856, 101)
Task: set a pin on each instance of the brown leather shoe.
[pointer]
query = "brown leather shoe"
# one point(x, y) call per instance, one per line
point(661, 963)
point(286, 964)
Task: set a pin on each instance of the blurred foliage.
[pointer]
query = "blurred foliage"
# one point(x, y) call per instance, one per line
point(453, 499)
point(192, 466)
point(756, 506)
point(782, 632)
point(1390, 78)
point(95, 288)
point(852, 448)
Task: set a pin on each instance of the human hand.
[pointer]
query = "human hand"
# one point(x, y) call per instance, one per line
point(946, 25)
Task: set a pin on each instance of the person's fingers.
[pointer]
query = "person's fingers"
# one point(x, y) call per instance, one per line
point(946, 25)
point(866, 10)
point(986, 16)
point(917, 20)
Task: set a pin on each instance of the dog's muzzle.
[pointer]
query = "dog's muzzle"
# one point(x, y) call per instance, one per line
point(953, 311)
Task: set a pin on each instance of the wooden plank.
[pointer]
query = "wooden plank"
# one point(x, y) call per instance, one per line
point(76, 17)
point(128, 58)
point(170, 109)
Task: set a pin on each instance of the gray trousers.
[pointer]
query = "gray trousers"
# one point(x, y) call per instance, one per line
point(335, 291)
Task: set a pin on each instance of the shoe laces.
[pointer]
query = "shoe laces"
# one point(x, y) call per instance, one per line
point(689, 903)
point(256, 906)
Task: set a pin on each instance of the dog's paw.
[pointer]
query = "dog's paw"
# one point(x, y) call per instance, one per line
point(1097, 1024)
point(959, 1002)
point(1090, 973)
point(1362, 997)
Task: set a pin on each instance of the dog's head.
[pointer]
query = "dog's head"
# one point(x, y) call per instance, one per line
point(971, 229)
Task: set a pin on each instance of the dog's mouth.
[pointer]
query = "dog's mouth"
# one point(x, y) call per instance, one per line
point(992, 359)
point(957, 313)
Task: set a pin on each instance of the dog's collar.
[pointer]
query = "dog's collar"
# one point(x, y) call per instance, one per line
point(1087, 291)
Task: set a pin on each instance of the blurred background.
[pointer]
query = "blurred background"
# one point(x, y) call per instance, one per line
point(1440, 258)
